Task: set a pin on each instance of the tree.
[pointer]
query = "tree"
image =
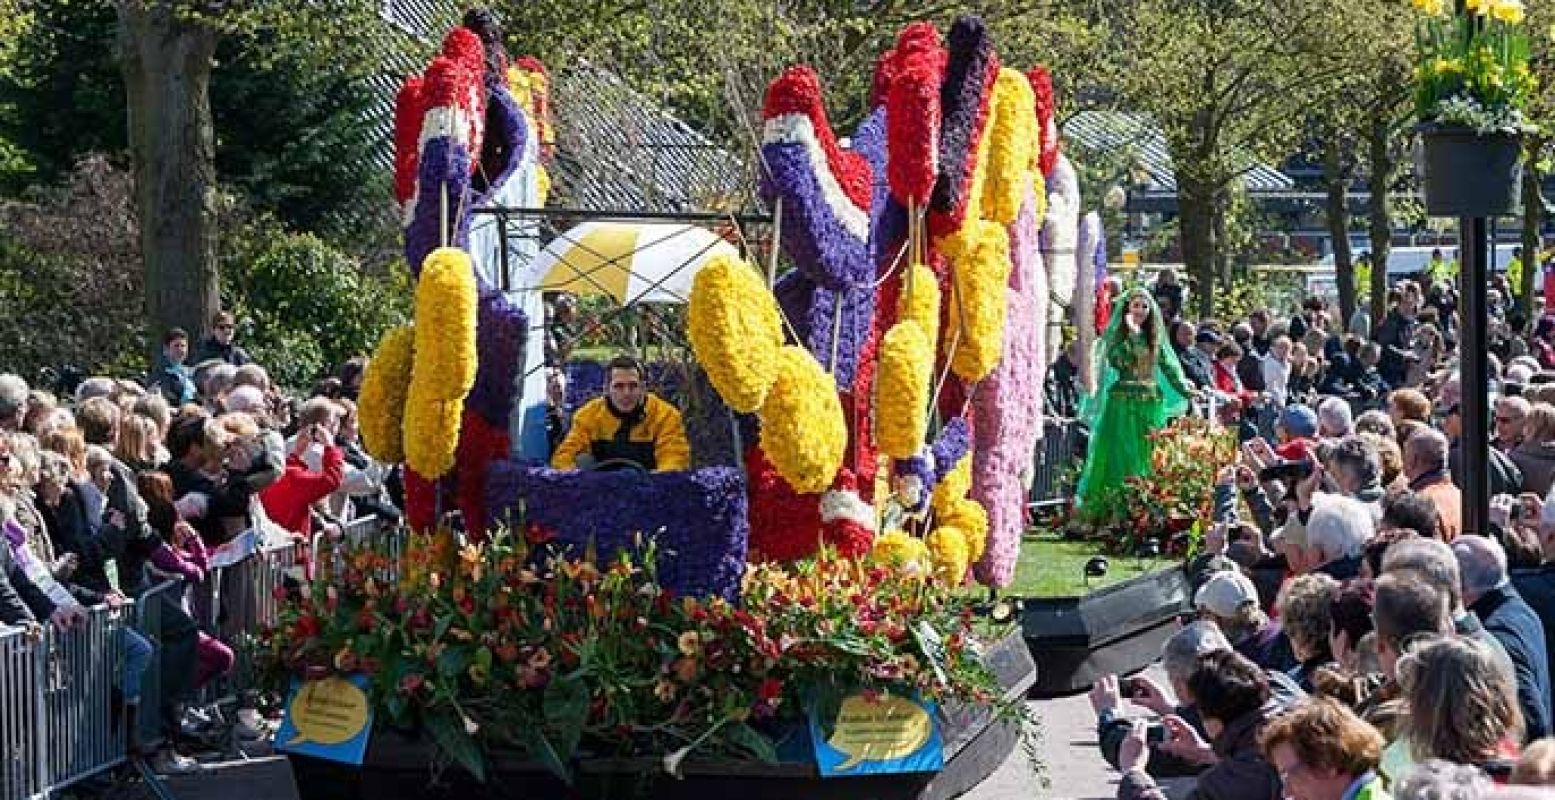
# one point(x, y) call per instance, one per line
point(1227, 82)
point(1537, 147)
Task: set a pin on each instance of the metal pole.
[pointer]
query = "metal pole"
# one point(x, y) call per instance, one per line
point(1476, 381)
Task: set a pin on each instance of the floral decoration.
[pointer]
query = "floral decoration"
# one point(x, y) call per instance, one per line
point(480, 444)
point(784, 524)
point(802, 427)
point(1047, 120)
point(1013, 145)
point(1060, 229)
point(381, 402)
point(446, 313)
point(922, 304)
point(499, 345)
point(902, 552)
point(913, 113)
point(970, 72)
point(409, 108)
point(949, 553)
point(906, 368)
point(1473, 65)
point(431, 432)
point(735, 331)
point(976, 319)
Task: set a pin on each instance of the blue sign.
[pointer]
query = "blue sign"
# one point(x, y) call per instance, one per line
point(876, 735)
point(328, 719)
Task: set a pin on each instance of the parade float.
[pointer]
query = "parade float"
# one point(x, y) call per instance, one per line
point(803, 616)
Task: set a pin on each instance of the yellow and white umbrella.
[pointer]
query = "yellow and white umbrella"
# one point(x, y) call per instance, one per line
point(631, 261)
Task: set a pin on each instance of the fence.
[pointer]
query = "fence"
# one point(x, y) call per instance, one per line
point(59, 719)
point(1053, 468)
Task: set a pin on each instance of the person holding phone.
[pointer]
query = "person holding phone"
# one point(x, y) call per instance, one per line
point(289, 501)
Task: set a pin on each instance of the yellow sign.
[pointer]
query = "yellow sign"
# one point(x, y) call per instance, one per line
point(880, 729)
point(327, 712)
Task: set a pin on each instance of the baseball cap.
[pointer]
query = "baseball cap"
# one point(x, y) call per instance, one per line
point(1225, 594)
point(1299, 420)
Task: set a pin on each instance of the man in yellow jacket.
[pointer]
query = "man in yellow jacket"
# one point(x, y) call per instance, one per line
point(627, 424)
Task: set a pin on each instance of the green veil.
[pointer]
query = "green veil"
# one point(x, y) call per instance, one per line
point(1169, 376)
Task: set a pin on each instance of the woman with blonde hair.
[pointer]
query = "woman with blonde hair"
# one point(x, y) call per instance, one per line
point(138, 443)
point(1535, 454)
point(1460, 705)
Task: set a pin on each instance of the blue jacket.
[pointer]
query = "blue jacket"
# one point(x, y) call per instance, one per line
point(173, 381)
point(1513, 622)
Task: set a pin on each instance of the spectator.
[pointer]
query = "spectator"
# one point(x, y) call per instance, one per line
point(1337, 531)
point(1168, 293)
point(1434, 562)
point(1230, 600)
point(1410, 512)
point(1534, 454)
point(1322, 751)
point(1510, 415)
point(1404, 609)
point(1392, 462)
point(1304, 617)
point(1228, 381)
point(41, 408)
point(1333, 419)
point(1376, 422)
point(138, 446)
point(1442, 780)
point(1506, 474)
point(1296, 430)
point(219, 344)
point(1425, 465)
point(1488, 593)
point(1232, 696)
point(1395, 338)
point(1179, 656)
point(1196, 364)
point(1349, 620)
point(171, 378)
point(290, 500)
point(13, 402)
point(350, 375)
point(1461, 706)
point(1408, 404)
point(1356, 469)
point(1276, 371)
point(1304, 371)
point(1249, 369)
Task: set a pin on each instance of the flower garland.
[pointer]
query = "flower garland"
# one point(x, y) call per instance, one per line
point(952, 486)
point(506, 131)
point(902, 552)
point(1012, 145)
point(1082, 314)
point(421, 501)
point(431, 433)
point(1007, 409)
point(913, 114)
point(453, 100)
point(949, 553)
point(499, 345)
point(784, 524)
point(1059, 232)
point(848, 522)
point(735, 331)
point(446, 304)
point(950, 447)
point(970, 73)
point(381, 403)
point(863, 459)
point(922, 305)
point(409, 108)
point(906, 369)
point(976, 318)
point(802, 427)
point(1047, 122)
point(480, 444)
point(971, 518)
point(853, 330)
point(463, 47)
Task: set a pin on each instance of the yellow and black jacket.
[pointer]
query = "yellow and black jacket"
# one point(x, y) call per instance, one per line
point(653, 436)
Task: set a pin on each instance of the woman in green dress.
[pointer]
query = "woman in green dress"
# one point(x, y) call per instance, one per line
point(1140, 387)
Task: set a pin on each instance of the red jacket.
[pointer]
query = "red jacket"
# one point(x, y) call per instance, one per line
point(289, 499)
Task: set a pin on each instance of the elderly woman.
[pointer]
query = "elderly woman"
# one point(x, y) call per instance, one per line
point(1337, 533)
point(1535, 453)
point(1460, 706)
point(1230, 600)
point(1304, 616)
point(1322, 751)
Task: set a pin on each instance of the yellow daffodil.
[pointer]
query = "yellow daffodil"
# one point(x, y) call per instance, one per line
point(1480, 7)
point(1431, 8)
point(1509, 11)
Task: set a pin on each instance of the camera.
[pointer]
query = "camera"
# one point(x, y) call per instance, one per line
point(1286, 471)
point(1155, 734)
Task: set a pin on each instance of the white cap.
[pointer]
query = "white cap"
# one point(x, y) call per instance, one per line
point(1225, 594)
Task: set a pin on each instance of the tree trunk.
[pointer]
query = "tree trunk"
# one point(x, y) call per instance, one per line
point(1379, 135)
point(1533, 219)
point(1196, 226)
point(1336, 177)
point(166, 63)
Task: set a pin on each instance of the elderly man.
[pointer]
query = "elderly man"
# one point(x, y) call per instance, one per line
point(629, 425)
point(1426, 469)
point(1337, 532)
point(1356, 469)
point(1196, 363)
point(1334, 420)
point(1488, 592)
point(1505, 476)
point(1433, 562)
point(1510, 414)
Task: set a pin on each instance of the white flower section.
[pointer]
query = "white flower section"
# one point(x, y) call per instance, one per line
point(797, 129)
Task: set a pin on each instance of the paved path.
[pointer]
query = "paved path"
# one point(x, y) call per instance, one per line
point(1074, 767)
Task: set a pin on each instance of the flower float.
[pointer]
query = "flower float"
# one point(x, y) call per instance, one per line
point(906, 368)
point(735, 331)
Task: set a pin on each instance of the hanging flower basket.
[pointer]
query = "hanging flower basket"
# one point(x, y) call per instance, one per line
point(1470, 174)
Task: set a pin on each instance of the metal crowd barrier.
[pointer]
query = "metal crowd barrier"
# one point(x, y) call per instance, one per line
point(22, 774)
point(59, 715)
point(148, 621)
point(1056, 456)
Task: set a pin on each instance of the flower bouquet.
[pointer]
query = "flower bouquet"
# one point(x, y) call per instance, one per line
point(507, 645)
point(1164, 510)
point(1472, 89)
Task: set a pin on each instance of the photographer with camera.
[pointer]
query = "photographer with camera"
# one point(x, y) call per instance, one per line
point(1179, 656)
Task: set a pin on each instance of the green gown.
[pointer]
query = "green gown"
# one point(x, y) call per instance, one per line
point(1140, 390)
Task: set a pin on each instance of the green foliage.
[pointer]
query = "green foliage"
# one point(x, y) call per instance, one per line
point(304, 307)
